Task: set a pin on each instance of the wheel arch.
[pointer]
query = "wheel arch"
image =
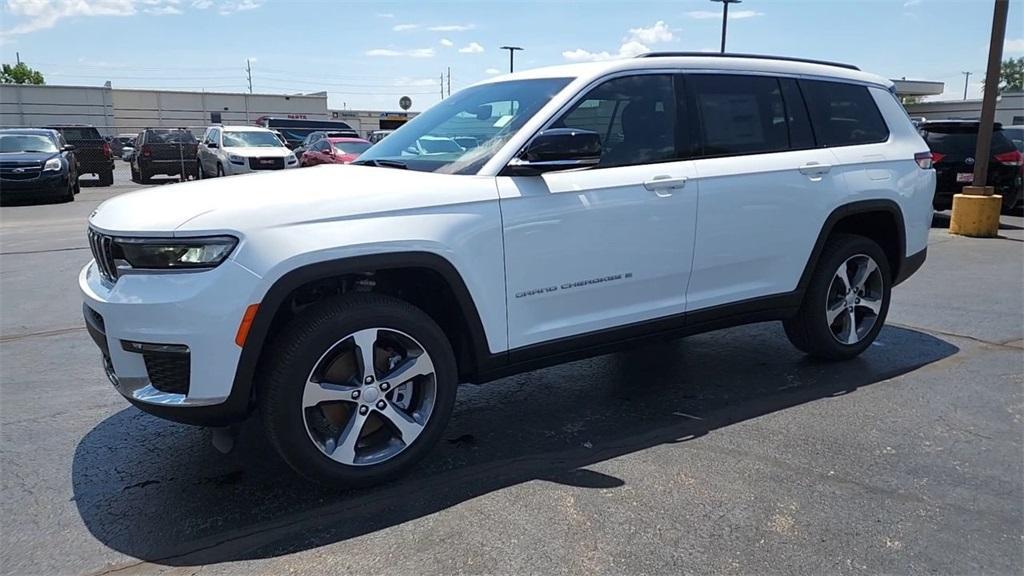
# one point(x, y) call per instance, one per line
point(880, 220)
point(471, 352)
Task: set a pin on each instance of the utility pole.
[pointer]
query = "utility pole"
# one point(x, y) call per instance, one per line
point(976, 208)
point(967, 76)
point(248, 73)
point(442, 86)
point(449, 80)
point(725, 17)
point(17, 57)
point(511, 57)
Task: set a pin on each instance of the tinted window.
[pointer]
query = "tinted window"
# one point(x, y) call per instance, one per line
point(800, 134)
point(962, 140)
point(80, 133)
point(170, 137)
point(843, 114)
point(740, 114)
point(635, 117)
point(351, 147)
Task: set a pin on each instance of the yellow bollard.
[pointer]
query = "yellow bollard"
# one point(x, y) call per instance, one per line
point(976, 212)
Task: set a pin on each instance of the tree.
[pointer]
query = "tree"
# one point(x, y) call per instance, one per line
point(1011, 75)
point(20, 73)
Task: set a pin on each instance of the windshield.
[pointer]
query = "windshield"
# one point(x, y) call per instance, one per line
point(490, 113)
point(253, 139)
point(351, 147)
point(170, 137)
point(11, 143)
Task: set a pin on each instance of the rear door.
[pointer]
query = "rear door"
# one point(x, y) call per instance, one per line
point(764, 187)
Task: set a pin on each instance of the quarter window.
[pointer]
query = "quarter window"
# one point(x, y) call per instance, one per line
point(635, 117)
point(843, 114)
point(740, 114)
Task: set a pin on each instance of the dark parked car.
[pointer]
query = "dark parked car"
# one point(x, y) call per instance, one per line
point(167, 151)
point(36, 163)
point(953, 144)
point(92, 152)
point(332, 150)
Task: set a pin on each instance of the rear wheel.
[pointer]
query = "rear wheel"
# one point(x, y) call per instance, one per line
point(220, 170)
point(360, 388)
point(106, 178)
point(846, 301)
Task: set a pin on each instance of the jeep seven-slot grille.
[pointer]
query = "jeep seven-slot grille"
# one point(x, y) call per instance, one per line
point(102, 247)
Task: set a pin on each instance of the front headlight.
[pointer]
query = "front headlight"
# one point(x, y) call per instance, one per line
point(292, 159)
point(52, 165)
point(174, 253)
point(236, 159)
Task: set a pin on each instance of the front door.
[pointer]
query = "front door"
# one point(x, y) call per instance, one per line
point(611, 245)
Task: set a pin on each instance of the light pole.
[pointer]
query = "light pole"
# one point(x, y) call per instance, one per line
point(511, 56)
point(725, 17)
point(967, 76)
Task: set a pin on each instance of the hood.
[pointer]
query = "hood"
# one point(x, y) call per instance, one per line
point(282, 197)
point(249, 151)
point(28, 158)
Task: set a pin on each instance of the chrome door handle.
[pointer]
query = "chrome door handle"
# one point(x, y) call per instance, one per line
point(815, 169)
point(664, 182)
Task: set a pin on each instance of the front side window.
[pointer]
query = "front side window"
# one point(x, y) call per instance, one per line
point(740, 114)
point(635, 117)
point(251, 139)
point(491, 113)
point(843, 114)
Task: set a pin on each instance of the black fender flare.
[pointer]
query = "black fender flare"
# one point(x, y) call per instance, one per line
point(259, 331)
point(852, 209)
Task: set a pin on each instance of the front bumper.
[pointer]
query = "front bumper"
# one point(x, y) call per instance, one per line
point(196, 311)
point(48, 184)
point(232, 169)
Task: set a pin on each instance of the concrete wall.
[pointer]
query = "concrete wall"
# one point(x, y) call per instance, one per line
point(115, 111)
point(1009, 109)
point(28, 105)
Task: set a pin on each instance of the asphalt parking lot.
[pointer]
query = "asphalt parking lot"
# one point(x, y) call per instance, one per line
point(722, 453)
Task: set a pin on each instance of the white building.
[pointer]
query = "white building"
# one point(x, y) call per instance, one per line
point(1009, 109)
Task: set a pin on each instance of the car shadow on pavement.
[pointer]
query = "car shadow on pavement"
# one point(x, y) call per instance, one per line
point(159, 492)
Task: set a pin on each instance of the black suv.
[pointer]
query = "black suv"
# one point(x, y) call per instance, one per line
point(92, 151)
point(953, 144)
point(167, 151)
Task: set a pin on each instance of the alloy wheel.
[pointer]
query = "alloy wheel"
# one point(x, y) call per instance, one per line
point(854, 299)
point(369, 396)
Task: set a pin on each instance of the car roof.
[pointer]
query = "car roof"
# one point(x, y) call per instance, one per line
point(243, 128)
point(36, 131)
point(704, 62)
point(346, 139)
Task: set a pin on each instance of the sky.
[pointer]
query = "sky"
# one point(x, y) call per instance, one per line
point(367, 55)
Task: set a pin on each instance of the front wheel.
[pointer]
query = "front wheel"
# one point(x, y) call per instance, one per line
point(359, 389)
point(846, 301)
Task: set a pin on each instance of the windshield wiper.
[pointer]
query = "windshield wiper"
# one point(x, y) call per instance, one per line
point(383, 163)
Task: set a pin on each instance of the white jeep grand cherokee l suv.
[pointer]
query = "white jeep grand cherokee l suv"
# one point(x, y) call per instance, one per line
point(647, 198)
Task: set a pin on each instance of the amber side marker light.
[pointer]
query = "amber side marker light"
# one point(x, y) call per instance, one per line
point(243, 328)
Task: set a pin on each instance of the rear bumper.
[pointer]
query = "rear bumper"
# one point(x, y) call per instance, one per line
point(95, 166)
point(169, 167)
point(910, 265)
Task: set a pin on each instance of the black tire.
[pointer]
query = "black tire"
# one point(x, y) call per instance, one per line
point(200, 174)
point(220, 170)
point(69, 195)
point(106, 179)
point(294, 353)
point(135, 174)
point(144, 177)
point(809, 331)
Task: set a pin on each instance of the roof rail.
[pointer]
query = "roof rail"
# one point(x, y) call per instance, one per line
point(754, 56)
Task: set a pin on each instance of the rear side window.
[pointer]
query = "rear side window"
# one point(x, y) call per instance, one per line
point(740, 114)
point(80, 133)
point(843, 114)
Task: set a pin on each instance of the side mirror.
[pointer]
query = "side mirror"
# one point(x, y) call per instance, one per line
point(212, 145)
point(558, 149)
point(69, 148)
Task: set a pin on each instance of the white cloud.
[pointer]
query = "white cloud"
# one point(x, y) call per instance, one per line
point(42, 14)
point(161, 7)
point(404, 27)
point(1014, 45)
point(634, 44)
point(410, 53)
point(452, 28)
point(231, 6)
point(733, 14)
point(660, 32)
point(447, 43)
point(910, 3)
point(492, 71)
point(471, 48)
point(415, 82)
point(202, 4)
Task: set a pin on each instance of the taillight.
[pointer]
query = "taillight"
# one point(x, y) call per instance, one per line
point(1011, 158)
point(926, 159)
point(106, 150)
point(146, 150)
